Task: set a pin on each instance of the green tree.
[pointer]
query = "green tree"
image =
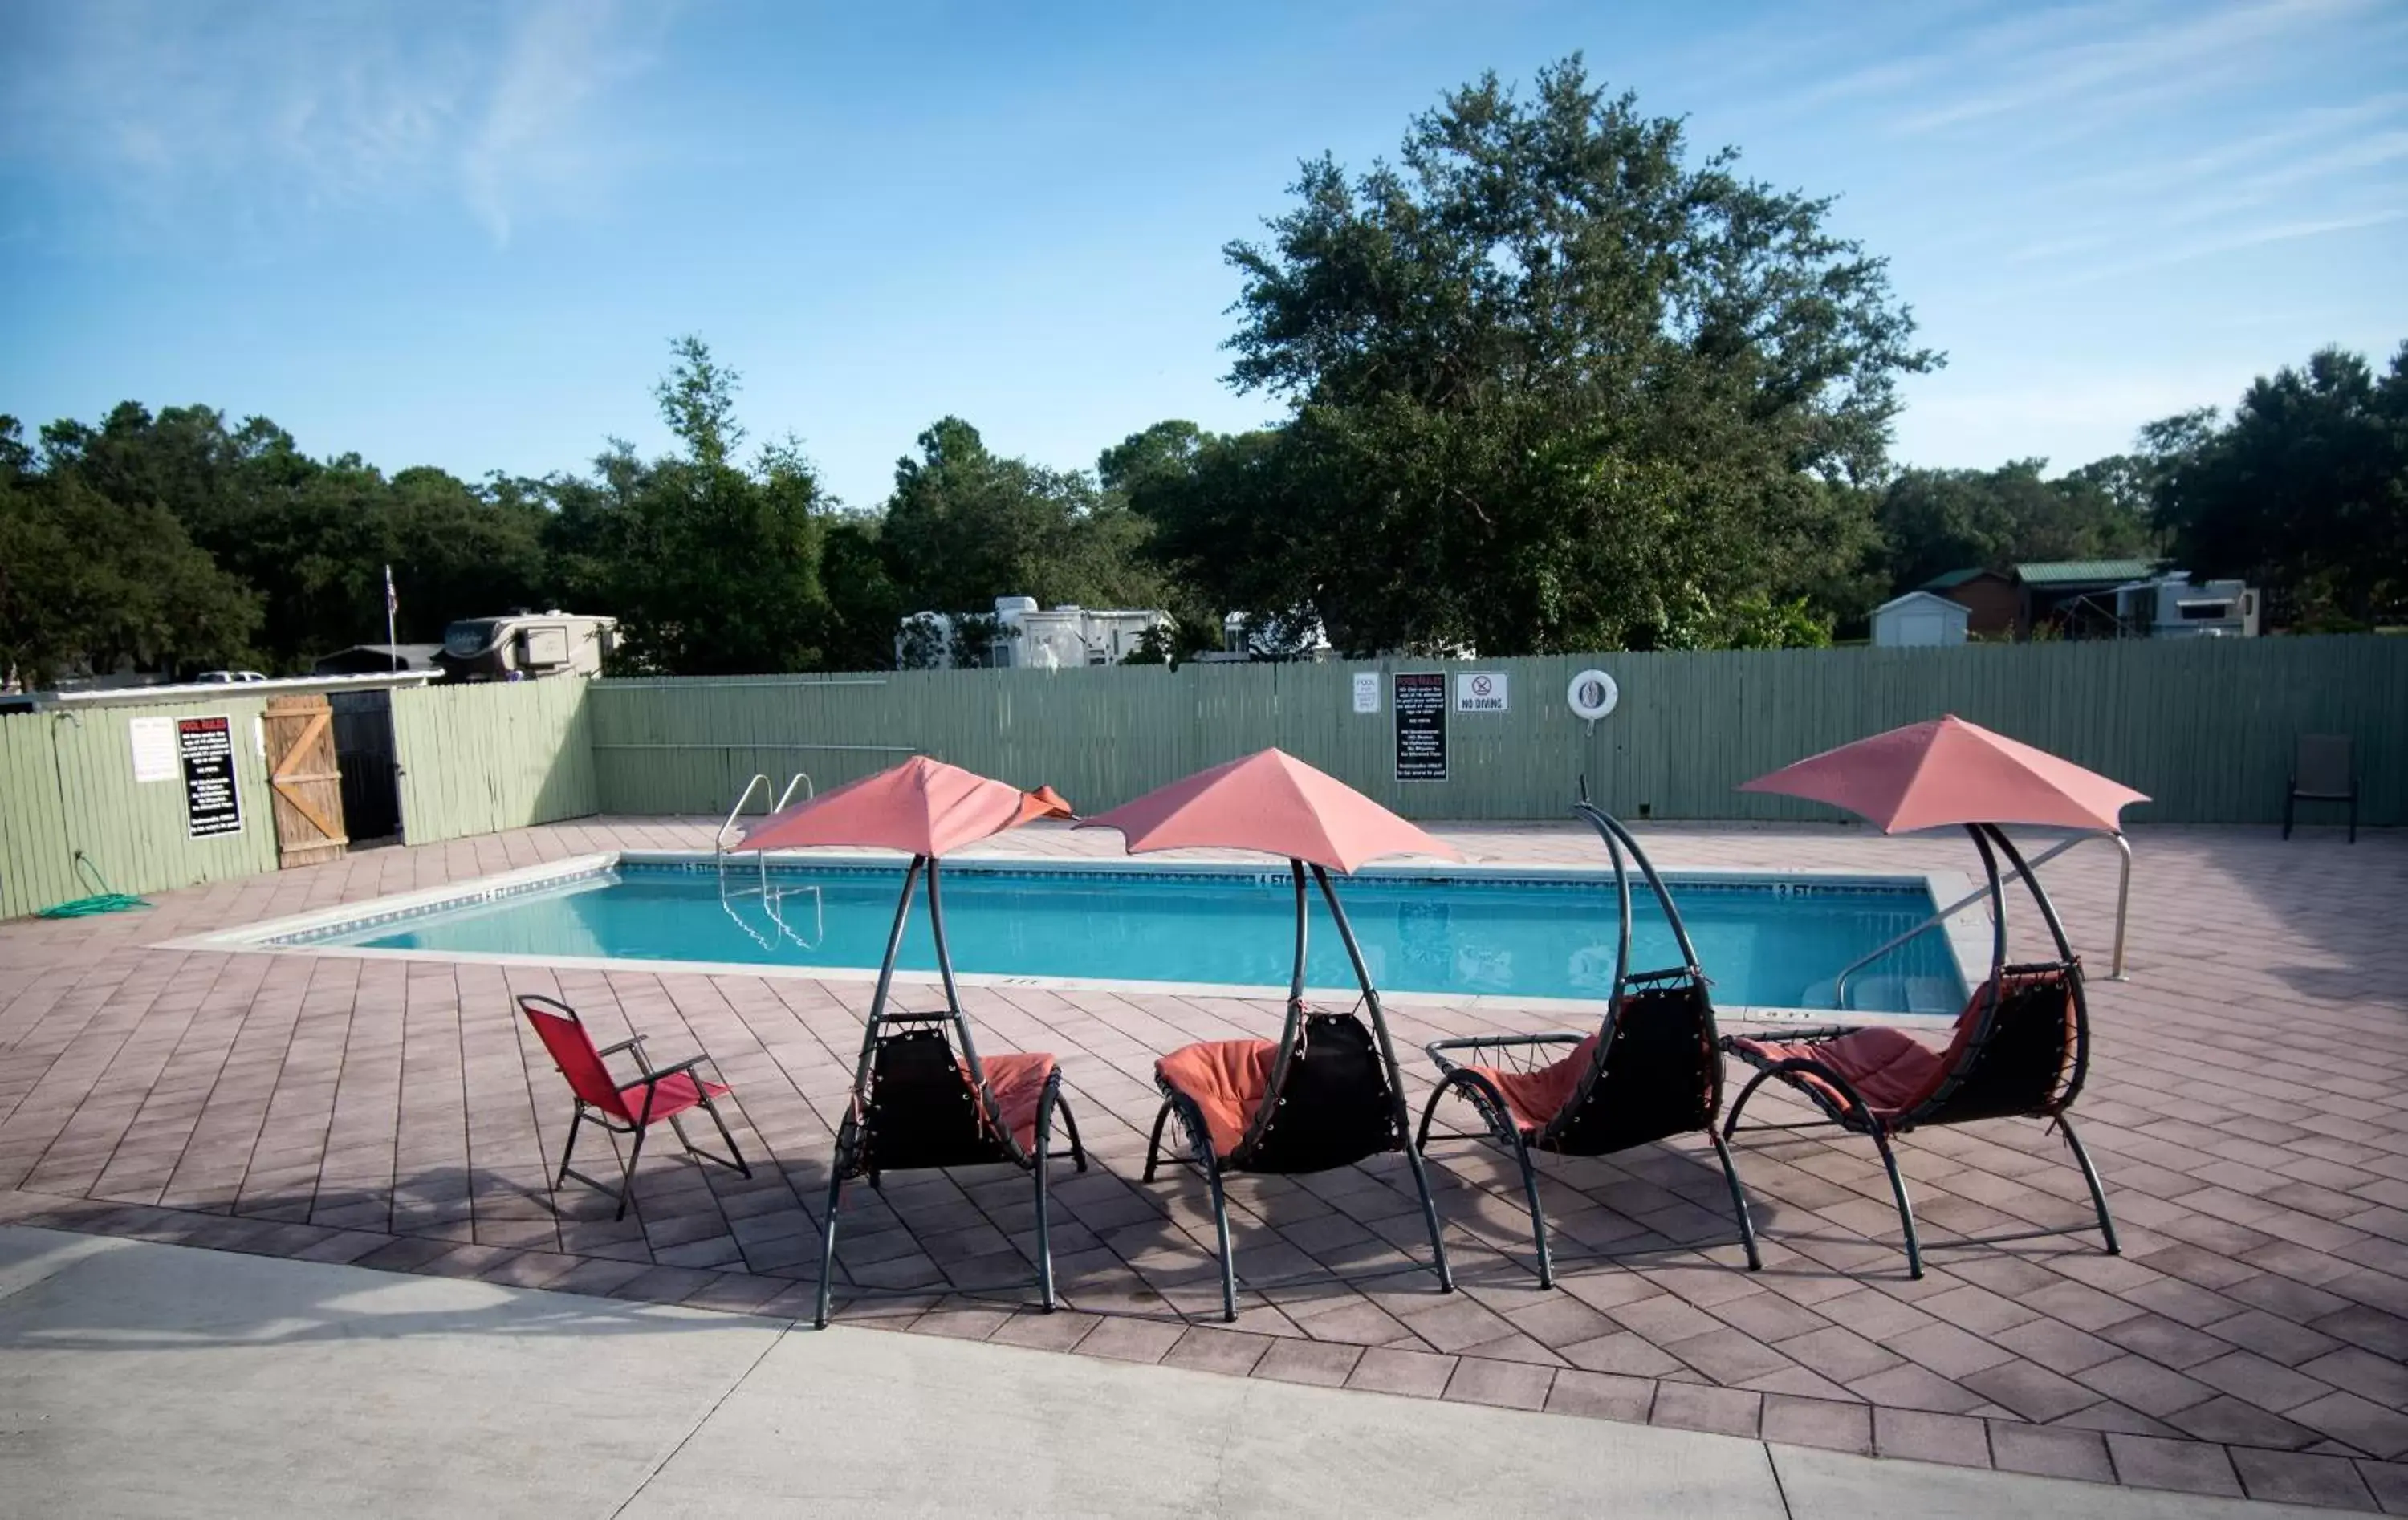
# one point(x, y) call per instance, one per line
point(965, 525)
point(88, 584)
point(1556, 386)
point(2304, 488)
point(1938, 521)
point(711, 569)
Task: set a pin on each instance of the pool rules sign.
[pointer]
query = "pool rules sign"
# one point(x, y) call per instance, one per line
point(1420, 706)
point(212, 806)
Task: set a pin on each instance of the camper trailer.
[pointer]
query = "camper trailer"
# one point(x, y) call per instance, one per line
point(2172, 605)
point(523, 646)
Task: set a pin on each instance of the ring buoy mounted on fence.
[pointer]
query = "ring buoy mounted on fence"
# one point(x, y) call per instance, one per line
point(1592, 695)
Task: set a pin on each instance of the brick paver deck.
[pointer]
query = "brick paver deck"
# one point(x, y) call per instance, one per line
point(2245, 1106)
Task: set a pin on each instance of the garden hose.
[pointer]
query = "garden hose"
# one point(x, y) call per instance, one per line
point(102, 901)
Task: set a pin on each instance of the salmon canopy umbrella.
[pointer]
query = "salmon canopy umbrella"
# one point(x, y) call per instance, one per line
point(1929, 775)
point(1231, 1095)
point(1948, 771)
point(926, 808)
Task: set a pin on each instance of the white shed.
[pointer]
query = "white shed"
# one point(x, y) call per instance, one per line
point(1918, 620)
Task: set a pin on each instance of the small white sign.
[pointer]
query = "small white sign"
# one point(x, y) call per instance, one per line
point(154, 749)
point(1480, 691)
point(1367, 691)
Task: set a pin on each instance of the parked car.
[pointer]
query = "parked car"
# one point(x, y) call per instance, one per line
point(228, 676)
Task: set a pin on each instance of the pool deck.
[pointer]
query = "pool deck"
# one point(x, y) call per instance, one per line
point(2248, 1105)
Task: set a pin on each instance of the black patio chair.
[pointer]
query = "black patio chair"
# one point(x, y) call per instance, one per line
point(2021, 1050)
point(2323, 770)
point(924, 1097)
point(1327, 1094)
point(1650, 1071)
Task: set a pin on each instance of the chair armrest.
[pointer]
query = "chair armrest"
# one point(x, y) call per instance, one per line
point(1443, 1052)
point(677, 1070)
point(1807, 1036)
point(634, 1044)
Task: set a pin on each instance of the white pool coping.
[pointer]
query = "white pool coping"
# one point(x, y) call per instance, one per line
point(1967, 931)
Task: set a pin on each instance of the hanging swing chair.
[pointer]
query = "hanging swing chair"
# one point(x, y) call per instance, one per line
point(1650, 1071)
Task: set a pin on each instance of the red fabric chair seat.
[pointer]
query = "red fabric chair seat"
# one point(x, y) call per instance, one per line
point(1536, 1097)
point(1018, 1082)
point(670, 1096)
point(1225, 1079)
point(1891, 1070)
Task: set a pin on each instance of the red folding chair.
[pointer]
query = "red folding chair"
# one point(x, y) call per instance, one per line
point(625, 1108)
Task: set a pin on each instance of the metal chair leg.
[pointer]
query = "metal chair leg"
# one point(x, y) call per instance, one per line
point(627, 1174)
point(1430, 1110)
point(1905, 1211)
point(2098, 1194)
point(1738, 1201)
point(1429, 1205)
point(1044, 1225)
point(827, 1250)
point(1221, 1228)
point(1730, 1120)
point(1153, 1143)
point(1070, 1128)
point(743, 1168)
point(1538, 1214)
point(571, 1148)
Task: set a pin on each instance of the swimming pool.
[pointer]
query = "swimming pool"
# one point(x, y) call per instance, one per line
point(1518, 934)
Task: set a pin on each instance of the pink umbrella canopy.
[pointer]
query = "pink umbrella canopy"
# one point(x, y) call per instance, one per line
point(921, 806)
point(1945, 771)
point(1272, 802)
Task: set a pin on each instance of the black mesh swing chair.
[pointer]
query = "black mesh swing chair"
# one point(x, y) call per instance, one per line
point(1327, 1094)
point(1650, 1071)
point(923, 1096)
point(2021, 1049)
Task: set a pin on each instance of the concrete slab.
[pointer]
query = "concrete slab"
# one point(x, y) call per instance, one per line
point(141, 1379)
point(855, 1422)
point(155, 1380)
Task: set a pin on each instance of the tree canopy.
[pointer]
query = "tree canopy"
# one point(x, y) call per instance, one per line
point(1554, 385)
point(1934, 520)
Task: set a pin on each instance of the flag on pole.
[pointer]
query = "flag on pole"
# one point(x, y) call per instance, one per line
point(391, 605)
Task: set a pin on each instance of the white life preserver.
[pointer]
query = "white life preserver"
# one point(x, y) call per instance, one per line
point(1592, 695)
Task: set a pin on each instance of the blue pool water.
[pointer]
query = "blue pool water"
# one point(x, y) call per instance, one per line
point(1500, 936)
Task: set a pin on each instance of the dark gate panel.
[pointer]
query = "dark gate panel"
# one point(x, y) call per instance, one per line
point(363, 748)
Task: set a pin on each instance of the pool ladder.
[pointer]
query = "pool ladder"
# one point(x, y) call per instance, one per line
point(772, 903)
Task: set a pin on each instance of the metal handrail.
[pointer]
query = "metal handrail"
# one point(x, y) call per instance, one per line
point(719, 840)
point(2123, 902)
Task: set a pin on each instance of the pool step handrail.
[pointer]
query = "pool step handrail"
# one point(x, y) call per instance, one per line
point(719, 842)
point(2123, 902)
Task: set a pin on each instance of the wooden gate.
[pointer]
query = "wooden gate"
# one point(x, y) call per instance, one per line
point(305, 780)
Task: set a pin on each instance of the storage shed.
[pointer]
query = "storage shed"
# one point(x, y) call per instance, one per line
point(1919, 619)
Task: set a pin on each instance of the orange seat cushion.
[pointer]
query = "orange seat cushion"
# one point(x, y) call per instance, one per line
point(1890, 1069)
point(1225, 1079)
point(1536, 1097)
point(1018, 1082)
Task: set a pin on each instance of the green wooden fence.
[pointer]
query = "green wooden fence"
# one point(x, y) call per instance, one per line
point(68, 786)
point(2205, 727)
point(478, 759)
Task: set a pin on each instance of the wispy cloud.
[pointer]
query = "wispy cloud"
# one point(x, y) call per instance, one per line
point(179, 112)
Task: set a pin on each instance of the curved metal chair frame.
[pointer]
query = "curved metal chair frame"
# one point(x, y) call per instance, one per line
point(1976, 1087)
point(921, 1097)
point(1620, 1100)
point(1324, 1062)
point(636, 1122)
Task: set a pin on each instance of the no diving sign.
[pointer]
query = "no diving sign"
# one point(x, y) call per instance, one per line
point(1480, 691)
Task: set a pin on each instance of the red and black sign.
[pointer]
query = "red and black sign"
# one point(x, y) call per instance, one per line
point(1421, 725)
point(213, 803)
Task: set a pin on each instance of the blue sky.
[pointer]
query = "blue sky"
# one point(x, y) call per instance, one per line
point(463, 235)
